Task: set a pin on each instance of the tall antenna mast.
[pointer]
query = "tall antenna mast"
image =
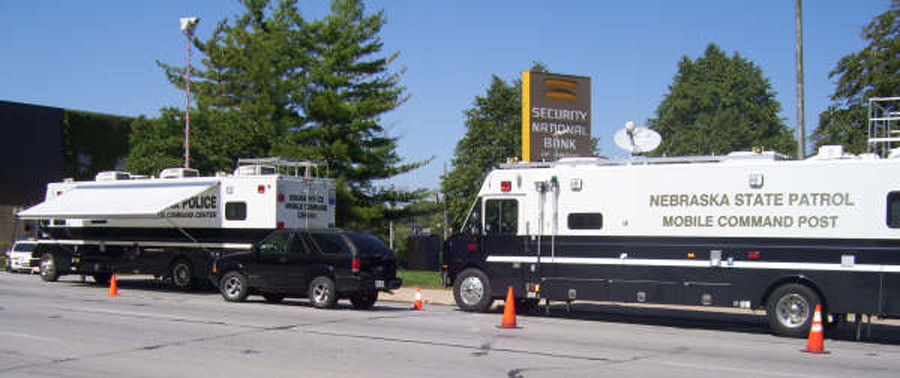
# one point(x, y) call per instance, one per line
point(801, 123)
point(188, 24)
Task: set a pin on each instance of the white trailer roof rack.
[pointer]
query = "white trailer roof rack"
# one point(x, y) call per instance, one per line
point(297, 168)
point(643, 160)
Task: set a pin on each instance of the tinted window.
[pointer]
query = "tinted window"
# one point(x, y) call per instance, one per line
point(300, 244)
point(276, 243)
point(893, 210)
point(330, 243)
point(24, 247)
point(585, 221)
point(501, 217)
point(235, 210)
point(368, 244)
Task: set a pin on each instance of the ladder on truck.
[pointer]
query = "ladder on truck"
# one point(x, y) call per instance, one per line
point(884, 125)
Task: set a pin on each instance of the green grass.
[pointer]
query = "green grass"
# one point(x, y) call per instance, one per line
point(420, 278)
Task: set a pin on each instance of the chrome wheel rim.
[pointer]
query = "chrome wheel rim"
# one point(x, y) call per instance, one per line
point(233, 287)
point(47, 266)
point(792, 310)
point(321, 293)
point(471, 290)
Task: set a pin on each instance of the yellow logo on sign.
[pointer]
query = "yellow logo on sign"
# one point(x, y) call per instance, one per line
point(560, 89)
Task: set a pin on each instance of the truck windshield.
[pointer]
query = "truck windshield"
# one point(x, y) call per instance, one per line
point(24, 247)
point(472, 224)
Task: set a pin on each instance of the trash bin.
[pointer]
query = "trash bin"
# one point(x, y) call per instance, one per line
point(423, 252)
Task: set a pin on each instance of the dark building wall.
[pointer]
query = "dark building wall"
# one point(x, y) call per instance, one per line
point(31, 151)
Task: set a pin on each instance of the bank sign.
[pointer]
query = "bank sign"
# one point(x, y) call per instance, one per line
point(556, 116)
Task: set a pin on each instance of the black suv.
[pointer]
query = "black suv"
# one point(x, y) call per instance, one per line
point(325, 265)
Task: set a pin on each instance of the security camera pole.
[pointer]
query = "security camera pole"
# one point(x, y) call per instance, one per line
point(188, 24)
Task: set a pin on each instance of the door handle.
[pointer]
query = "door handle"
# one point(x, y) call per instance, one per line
point(282, 259)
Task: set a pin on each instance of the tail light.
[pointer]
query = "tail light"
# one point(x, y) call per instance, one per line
point(261, 189)
point(280, 225)
point(280, 197)
point(354, 265)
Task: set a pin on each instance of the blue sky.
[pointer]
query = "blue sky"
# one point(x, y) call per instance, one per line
point(99, 55)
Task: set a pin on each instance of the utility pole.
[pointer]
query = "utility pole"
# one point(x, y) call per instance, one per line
point(801, 124)
point(188, 24)
point(444, 204)
point(391, 218)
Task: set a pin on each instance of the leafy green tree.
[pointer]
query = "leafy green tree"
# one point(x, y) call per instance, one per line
point(717, 105)
point(275, 84)
point(493, 134)
point(872, 72)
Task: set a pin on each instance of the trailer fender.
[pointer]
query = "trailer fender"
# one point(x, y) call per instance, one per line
point(797, 279)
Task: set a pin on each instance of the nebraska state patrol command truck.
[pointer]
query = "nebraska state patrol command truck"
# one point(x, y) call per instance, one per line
point(747, 230)
point(173, 226)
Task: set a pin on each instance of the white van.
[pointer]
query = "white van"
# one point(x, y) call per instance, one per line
point(20, 258)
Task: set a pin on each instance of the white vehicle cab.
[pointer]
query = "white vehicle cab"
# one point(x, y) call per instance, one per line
point(21, 258)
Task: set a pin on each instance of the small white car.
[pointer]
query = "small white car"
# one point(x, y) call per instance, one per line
point(21, 259)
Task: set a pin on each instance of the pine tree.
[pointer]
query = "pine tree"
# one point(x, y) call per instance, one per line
point(274, 84)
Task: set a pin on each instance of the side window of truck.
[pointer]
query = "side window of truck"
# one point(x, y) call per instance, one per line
point(501, 217)
point(893, 210)
point(472, 223)
point(585, 221)
point(235, 211)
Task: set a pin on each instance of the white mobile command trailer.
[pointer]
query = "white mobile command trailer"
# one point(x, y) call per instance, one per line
point(747, 230)
point(173, 226)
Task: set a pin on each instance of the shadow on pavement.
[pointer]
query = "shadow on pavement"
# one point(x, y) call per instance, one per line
point(751, 323)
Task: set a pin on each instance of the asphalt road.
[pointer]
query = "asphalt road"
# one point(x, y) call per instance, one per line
point(73, 329)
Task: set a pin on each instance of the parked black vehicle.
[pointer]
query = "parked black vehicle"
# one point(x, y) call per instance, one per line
point(324, 265)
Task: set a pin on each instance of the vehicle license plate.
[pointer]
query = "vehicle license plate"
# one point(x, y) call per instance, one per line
point(379, 284)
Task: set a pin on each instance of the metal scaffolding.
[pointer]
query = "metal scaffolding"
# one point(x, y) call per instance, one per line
point(884, 125)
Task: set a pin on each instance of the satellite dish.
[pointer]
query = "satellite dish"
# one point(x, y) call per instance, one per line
point(637, 139)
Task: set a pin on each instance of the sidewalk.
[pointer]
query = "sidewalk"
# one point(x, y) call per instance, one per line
point(429, 296)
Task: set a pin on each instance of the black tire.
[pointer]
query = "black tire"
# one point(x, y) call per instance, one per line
point(233, 287)
point(273, 298)
point(102, 278)
point(322, 293)
point(472, 291)
point(790, 310)
point(364, 300)
point(49, 272)
point(182, 274)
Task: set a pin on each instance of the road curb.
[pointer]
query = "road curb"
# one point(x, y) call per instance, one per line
point(408, 295)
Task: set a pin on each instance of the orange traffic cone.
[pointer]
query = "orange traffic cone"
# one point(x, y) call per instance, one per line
point(509, 310)
point(417, 305)
point(113, 287)
point(816, 343)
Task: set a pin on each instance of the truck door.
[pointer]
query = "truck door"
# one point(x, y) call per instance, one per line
point(501, 238)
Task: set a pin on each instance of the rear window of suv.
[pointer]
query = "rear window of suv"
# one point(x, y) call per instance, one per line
point(368, 244)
